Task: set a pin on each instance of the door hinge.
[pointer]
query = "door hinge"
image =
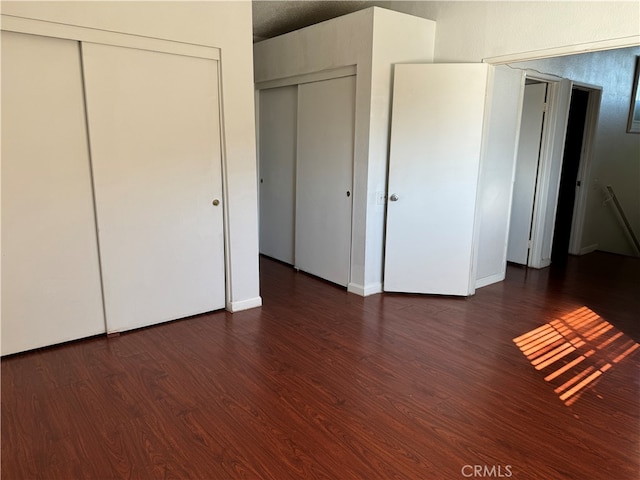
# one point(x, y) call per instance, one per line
point(544, 107)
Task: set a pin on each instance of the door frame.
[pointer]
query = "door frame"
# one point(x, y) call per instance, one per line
point(545, 201)
point(584, 168)
point(547, 184)
point(591, 122)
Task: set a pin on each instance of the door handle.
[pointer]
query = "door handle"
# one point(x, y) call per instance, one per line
point(393, 197)
point(216, 202)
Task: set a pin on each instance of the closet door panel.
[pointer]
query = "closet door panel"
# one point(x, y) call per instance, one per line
point(326, 116)
point(50, 272)
point(155, 142)
point(278, 171)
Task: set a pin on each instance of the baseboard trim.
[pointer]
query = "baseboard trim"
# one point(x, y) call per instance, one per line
point(364, 291)
point(588, 249)
point(483, 282)
point(244, 304)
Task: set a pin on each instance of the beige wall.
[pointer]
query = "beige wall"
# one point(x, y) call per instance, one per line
point(226, 25)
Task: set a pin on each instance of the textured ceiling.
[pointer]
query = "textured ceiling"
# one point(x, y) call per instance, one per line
point(273, 18)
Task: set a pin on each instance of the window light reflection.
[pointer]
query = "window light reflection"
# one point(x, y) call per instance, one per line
point(575, 350)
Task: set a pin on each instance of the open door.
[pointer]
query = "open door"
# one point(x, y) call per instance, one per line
point(436, 139)
point(439, 125)
point(548, 172)
point(534, 106)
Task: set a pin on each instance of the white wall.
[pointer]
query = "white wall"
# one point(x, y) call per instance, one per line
point(226, 25)
point(372, 39)
point(473, 31)
point(616, 153)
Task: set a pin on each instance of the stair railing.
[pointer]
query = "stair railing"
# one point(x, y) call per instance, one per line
point(624, 217)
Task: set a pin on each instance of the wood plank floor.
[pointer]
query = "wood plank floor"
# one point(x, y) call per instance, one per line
point(319, 383)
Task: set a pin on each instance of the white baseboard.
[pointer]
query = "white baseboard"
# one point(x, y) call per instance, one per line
point(483, 282)
point(364, 291)
point(543, 263)
point(588, 249)
point(244, 304)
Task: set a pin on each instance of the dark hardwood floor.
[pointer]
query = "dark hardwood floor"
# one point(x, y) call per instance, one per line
point(319, 383)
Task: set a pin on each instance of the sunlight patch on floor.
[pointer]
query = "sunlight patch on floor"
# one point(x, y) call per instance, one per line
point(575, 350)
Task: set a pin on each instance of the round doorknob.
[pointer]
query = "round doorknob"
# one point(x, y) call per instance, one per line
point(216, 202)
point(394, 197)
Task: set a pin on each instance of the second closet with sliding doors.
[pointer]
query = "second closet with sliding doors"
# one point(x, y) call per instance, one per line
point(306, 141)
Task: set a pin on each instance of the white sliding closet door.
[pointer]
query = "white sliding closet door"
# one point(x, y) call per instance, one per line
point(278, 171)
point(50, 270)
point(155, 141)
point(326, 115)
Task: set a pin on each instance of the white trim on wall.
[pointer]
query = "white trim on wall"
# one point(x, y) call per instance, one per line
point(44, 28)
point(364, 291)
point(226, 231)
point(244, 304)
point(330, 74)
point(498, 277)
point(610, 44)
point(588, 249)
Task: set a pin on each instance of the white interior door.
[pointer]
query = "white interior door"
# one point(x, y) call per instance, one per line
point(326, 116)
point(548, 183)
point(497, 173)
point(50, 272)
point(526, 172)
point(278, 126)
point(155, 141)
point(436, 139)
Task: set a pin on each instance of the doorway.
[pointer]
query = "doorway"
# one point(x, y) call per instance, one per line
point(569, 176)
point(552, 169)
